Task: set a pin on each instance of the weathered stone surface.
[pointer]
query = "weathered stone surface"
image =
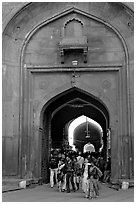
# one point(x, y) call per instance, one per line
point(32, 39)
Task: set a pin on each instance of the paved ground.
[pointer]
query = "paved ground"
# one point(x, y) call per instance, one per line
point(44, 193)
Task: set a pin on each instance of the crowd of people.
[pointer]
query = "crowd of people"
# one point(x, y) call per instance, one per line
point(72, 170)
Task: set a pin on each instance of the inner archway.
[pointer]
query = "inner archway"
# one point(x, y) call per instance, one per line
point(64, 108)
point(83, 130)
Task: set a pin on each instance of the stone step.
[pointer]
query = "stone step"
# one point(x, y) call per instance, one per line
point(7, 188)
point(11, 184)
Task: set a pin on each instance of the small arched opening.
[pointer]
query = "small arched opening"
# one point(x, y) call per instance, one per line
point(83, 130)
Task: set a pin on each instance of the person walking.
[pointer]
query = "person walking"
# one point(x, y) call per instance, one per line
point(63, 158)
point(60, 174)
point(85, 182)
point(107, 172)
point(69, 167)
point(80, 161)
point(94, 173)
point(101, 166)
point(77, 173)
point(53, 166)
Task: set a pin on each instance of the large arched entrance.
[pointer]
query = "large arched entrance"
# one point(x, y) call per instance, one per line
point(43, 81)
point(59, 111)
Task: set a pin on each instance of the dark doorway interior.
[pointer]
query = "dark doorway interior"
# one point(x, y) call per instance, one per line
point(62, 109)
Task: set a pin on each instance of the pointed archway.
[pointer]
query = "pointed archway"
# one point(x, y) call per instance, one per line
point(63, 108)
point(83, 130)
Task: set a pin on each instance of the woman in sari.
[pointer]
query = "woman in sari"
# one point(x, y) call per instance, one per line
point(85, 182)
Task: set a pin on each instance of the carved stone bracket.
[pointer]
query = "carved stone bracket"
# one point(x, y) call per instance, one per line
point(75, 43)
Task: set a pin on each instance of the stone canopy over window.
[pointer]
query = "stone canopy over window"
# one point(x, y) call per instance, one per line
point(73, 39)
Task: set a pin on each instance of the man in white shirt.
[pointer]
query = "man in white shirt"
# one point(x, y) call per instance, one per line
point(80, 159)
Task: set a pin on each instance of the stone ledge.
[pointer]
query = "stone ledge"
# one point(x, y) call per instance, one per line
point(13, 184)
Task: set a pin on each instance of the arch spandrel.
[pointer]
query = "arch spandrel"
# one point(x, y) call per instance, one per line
point(44, 102)
point(15, 8)
point(99, 37)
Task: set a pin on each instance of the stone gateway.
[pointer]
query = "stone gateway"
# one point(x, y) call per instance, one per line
point(62, 60)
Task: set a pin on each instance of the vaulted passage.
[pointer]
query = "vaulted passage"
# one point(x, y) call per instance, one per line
point(83, 130)
point(65, 107)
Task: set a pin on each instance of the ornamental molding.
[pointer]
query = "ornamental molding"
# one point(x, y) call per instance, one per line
point(23, 5)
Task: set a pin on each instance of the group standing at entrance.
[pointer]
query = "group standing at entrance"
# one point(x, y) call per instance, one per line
point(71, 170)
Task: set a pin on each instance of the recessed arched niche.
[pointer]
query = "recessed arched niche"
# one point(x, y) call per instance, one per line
point(73, 39)
point(73, 28)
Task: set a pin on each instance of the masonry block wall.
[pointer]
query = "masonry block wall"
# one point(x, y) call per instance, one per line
point(31, 36)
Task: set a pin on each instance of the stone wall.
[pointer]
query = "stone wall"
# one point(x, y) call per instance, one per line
point(31, 39)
